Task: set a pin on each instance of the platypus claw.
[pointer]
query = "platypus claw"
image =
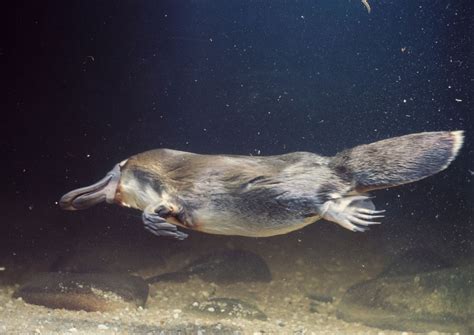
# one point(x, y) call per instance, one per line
point(159, 227)
point(351, 212)
point(163, 210)
point(167, 233)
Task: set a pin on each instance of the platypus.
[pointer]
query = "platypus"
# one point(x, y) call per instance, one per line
point(266, 195)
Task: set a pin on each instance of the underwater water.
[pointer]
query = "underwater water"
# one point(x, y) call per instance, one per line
point(89, 84)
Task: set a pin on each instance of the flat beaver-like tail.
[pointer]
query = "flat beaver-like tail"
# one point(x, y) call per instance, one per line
point(398, 160)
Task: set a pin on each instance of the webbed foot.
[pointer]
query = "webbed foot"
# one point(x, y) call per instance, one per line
point(354, 212)
point(158, 226)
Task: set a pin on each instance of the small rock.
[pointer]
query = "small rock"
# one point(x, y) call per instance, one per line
point(176, 313)
point(227, 307)
point(220, 267)
point(438, 300)
point(320, 298)
point(84, 291)
point(102, 327)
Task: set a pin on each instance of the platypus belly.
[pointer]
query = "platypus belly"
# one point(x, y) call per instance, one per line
point(229, 224)
point(260, 218)
point(265, 196)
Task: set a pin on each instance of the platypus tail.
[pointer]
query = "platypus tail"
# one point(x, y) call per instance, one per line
point(398, 160)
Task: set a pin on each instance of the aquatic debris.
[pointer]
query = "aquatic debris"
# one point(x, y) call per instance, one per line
point(220, 267)
point(367, 5)
point(228, 307)
point(90, 292)
point(438, 300)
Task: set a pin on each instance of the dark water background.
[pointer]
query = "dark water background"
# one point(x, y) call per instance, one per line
point(89, 83)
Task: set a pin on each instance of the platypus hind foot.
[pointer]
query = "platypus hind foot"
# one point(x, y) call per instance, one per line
point(351, 212)
point(157, 225)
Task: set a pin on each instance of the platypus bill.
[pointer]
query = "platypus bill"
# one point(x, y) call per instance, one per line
point(265, 196)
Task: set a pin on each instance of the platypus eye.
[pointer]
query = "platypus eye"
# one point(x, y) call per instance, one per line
point(147, 178)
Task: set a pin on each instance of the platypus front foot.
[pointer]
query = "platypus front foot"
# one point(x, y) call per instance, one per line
point(158, 226)
point(354, 212)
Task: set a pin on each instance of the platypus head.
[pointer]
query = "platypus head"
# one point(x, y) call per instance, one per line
point(85, 197)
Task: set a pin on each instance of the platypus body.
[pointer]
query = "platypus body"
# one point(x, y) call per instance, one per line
point(265, 196)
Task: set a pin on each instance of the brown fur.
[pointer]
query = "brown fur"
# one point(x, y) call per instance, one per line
point(264, 196)
point(398, 160)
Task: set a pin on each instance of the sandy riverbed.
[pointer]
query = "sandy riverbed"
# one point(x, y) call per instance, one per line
point(301, 271)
